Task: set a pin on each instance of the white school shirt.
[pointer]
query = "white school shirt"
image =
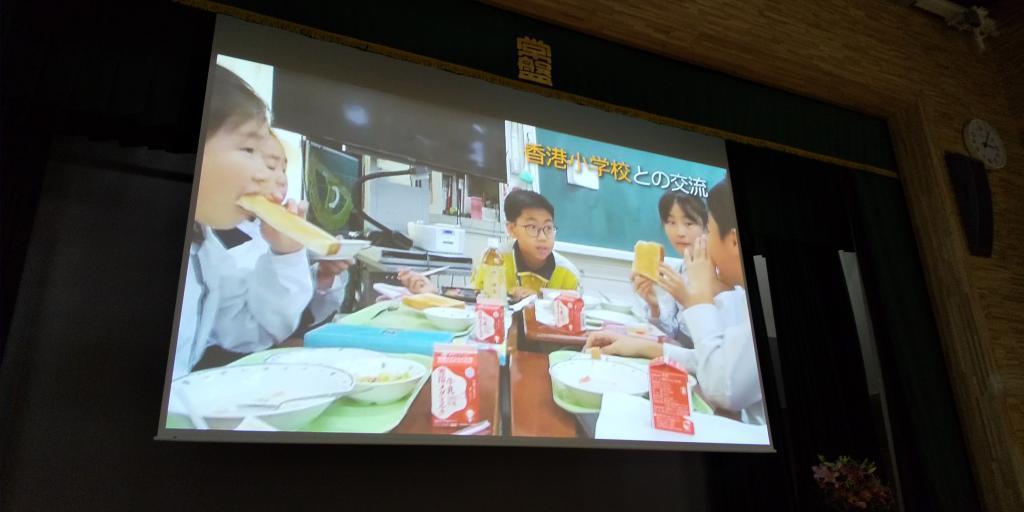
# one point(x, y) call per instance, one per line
point(724, 358)
point(670, 312)
point(323, 303)
point(242, 310)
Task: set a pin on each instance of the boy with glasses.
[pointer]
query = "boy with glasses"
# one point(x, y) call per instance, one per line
point(530, 221)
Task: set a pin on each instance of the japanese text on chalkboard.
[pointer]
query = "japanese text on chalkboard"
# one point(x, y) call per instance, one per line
point(558, 158)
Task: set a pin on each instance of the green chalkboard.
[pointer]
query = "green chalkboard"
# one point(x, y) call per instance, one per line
point(619, 213)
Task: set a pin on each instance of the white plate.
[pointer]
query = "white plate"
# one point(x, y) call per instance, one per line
point(348, 250)
point(450, 319)
point(218, 393)
point(363, 364)
point(604, 315)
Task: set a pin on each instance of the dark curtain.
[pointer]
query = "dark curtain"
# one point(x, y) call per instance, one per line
point(934, 467)
point(131, 73)
point(799, 213)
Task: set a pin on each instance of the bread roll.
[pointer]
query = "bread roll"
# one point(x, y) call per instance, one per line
point(647, 257)
point(423, 301)
point(293, 226)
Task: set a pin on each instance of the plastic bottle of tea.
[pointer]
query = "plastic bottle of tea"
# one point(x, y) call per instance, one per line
point(492, 267)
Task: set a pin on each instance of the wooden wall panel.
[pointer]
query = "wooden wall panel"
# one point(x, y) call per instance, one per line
point(879, 57)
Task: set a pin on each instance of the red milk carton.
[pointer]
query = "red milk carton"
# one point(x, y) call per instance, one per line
point(670, 399)
point(568, 309)
point(490, 321)
point(454, 399)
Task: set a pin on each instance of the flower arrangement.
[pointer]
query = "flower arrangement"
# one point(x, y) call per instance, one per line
point(850, 485)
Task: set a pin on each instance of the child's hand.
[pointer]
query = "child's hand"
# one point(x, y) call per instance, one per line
point(673, 283)
point(700, 271)
point(644, 287)
point(279, 242)
point(519, 293)
point(326, 271)
point(415, 282)
point(626, 346)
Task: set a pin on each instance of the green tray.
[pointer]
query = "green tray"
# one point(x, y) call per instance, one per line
point(697, 403)
point(399, 317)
point(345, 415)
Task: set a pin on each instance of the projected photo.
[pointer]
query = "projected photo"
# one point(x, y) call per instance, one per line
point(365, 265)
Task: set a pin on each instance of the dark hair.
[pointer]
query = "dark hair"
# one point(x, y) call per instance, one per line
point(232, 102)
point(693, 208)
point(720, 206)
point(519, 200)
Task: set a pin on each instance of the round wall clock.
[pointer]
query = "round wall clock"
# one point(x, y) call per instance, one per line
point(983, 143)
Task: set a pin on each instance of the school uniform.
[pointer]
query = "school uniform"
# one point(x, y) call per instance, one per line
point(724, 359)
point(557, 270)
point(241, 310)
point(323, 304)
point(670, 312)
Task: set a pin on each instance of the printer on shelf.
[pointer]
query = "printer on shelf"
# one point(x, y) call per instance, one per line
point(444, 238)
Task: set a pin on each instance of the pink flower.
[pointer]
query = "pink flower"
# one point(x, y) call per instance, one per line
point(823, 474)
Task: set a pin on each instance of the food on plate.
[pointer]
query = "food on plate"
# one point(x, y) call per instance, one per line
point(647, 257)
point(595, 353)
point(423, 301)
point(384, 377)
point(295, 227)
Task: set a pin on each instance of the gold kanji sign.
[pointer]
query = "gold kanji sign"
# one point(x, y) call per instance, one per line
point(534, 60)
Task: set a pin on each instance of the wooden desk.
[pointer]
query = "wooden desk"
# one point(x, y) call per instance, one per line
point(533, 412)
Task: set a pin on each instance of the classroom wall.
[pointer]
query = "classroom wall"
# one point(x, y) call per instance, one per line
point(888, 59)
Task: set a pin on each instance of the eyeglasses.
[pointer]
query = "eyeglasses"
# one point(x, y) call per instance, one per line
point(535, 231)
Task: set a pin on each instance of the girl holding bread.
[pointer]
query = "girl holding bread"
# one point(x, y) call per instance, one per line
point(723, 357)
point(660, 298)
point(221, 303)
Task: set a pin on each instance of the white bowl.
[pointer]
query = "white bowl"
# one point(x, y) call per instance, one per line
point(400, 377)
point(585, 381)
point(218, 394)
point(364, 365)
point(348, 250)
point(450, 319)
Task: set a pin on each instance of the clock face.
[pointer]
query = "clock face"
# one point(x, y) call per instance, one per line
point(983, 143)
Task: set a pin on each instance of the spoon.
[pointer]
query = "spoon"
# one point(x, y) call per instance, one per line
point(277, 405)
